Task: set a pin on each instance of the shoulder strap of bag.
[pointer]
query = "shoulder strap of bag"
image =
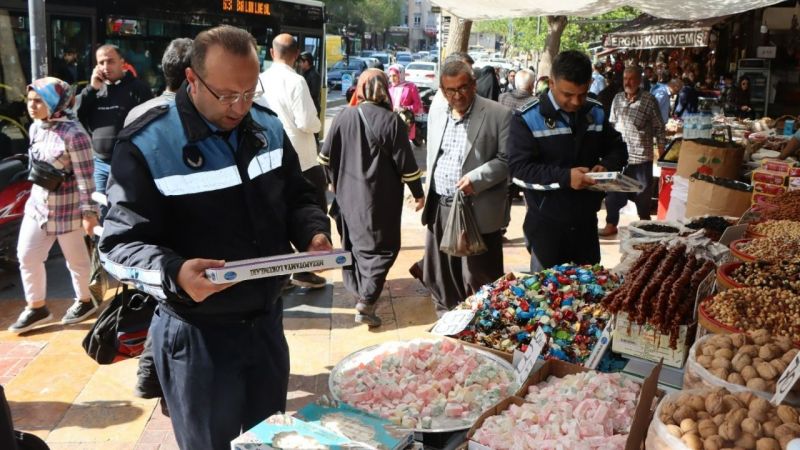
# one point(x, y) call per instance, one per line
point(371, 137)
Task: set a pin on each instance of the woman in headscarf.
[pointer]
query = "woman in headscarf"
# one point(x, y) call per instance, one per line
point(63, 214)
point(405, 97)
point(368, 158)
point(488, 86)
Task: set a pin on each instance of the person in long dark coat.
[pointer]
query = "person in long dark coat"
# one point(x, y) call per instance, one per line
point(487, 84)
point(368, 158)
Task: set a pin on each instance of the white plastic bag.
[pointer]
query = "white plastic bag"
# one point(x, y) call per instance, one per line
point(678, 197)
point(658, 437)
point(636, 232)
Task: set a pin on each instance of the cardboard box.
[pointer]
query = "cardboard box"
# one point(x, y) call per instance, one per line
point(706, 197)
point(645, 407)
point(769, 189)
point(710, 157)
point(273, 266)
point(356, 424)
point(777, 165)
point(768, 176)
point(645, 342)
point(267, 431)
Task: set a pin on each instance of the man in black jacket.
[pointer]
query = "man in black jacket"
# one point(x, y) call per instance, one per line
point(207, 179)
point(104, 103)
point(312, 77)
point(554, 142)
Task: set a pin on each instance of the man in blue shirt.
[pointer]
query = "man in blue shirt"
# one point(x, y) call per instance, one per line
point(598, 79)
point(663, 91)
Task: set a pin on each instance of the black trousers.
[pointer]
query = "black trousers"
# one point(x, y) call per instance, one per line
point(220, 380)
point(553, 242)
point(452, 279)
point(642, 172)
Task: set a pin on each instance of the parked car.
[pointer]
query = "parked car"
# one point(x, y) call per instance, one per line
point(404, 58)
point(422, 56)
point(494, 62)
point(373, 63)
point(366, 53)
point(354, 67)
point(423, 74)
point(384, 58)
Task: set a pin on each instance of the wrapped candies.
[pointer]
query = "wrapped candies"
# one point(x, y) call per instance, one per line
point(564, 301)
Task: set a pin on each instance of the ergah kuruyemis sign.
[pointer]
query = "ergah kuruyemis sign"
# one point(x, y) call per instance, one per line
point(659, 39)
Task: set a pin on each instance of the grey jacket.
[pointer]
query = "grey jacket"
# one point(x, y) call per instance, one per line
point(485, 161)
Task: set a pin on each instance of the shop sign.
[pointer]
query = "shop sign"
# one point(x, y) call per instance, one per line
point(659, 39)
point(766, 52)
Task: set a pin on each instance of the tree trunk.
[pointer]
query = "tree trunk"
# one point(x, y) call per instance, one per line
point(458, 37)
point(555, 28)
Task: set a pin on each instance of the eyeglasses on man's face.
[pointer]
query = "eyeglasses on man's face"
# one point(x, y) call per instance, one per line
point(230, 99)
point(461, 90)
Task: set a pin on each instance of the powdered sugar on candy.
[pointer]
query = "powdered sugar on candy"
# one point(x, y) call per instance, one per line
point(424, 384)
point(584, 411)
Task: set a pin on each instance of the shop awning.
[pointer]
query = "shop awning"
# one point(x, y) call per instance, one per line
point(679, 10)
point(651, 32)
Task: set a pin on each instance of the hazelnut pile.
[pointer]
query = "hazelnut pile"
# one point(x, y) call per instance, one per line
point(772, 249)
point(777, 228)
point(787, 206)
point(784, 275)
point(752, 308)
point(755, 359)
point(717, 419)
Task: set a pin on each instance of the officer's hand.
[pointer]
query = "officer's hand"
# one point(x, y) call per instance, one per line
point(420, 203)
point(320, 243)
point(192, 278)
point(579, 179)
point(598, 168)
point(465, 185)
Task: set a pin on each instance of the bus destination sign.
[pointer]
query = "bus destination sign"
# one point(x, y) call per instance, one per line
point(246, 7)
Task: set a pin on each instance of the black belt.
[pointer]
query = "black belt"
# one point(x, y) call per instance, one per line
point(446, 200)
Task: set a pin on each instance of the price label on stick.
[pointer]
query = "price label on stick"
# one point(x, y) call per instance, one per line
point(787, 381)
point(600, 347)
point(705, 289)
point(524, 362)
point(733, 233)
point(453, 322)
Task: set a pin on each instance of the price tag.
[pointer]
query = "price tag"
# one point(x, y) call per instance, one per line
point(600, 347)
point(786, 381)
point(705, 289)
point(524, 362)
point(453, 322)
point(733, 233)
point(749, 216)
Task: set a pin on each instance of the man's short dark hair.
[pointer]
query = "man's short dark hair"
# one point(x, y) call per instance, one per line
point(460, 56)
point(663, 76)
point(456, 68)
point(112, 47)
point(308, 57)
point(573, 66)
point(177, 57)
point(232, 39)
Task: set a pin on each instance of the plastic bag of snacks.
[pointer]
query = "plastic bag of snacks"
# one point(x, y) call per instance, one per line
point(716, 418)
point(728, 361)
point(653, 228)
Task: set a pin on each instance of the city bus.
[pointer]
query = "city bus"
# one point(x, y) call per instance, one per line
point(142, 29)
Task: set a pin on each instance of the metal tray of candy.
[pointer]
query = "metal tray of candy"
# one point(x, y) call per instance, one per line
point(441, 423)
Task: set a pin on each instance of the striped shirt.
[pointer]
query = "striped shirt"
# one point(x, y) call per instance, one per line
point(454, 146)
point(639, 121)
point(65, 145)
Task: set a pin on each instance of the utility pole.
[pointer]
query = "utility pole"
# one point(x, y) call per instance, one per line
point(36, 16)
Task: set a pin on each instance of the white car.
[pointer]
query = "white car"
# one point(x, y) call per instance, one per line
point(423, 74)
point(494, 62)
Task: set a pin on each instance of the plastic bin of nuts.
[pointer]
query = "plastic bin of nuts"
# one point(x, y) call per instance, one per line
point(773, 249)
point(775, 228)
point(753, 308)
point(783, 275)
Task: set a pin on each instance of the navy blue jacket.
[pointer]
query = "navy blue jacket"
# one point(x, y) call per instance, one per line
point(178, 191)
point(687, 102)
point(543, 149)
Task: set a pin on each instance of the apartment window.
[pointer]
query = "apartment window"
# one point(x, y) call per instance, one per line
point(417, 20)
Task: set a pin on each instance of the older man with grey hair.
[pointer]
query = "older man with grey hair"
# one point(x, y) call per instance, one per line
point(523, 90)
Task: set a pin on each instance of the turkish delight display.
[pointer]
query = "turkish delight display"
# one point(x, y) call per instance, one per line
point(564, 301)
point(587, 410)
point(423, 384)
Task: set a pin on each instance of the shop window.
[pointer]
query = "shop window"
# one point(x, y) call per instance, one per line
point(70, 49)
point(15, 74)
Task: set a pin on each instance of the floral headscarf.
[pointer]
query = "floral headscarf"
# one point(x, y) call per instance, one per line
point(373, 87)
point(56, 95)
point(400, 71)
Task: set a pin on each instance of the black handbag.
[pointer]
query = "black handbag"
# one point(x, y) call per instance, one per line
point(121, 329)
point(45, 175)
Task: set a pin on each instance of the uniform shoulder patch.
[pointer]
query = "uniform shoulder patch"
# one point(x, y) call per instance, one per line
point(524, 108)
point(265, 109)
point(142, 121)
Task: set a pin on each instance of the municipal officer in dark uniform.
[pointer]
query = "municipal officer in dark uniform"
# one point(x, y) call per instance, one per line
point(555, 140)
point(207, 179)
